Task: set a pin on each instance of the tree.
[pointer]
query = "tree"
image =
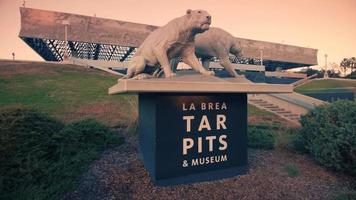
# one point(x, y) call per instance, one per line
point(349, 63)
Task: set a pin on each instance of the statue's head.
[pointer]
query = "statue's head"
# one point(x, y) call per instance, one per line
point(200, 20)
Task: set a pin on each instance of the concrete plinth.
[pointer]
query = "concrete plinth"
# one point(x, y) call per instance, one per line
point(193, 128)
point(196, 84)
point(187, 137)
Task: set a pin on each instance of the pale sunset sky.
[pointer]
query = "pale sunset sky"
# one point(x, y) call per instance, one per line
point(327, 25)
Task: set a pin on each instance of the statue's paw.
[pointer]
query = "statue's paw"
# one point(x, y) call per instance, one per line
point(170, 75)
point(239, 76)
point(208, 73)
point(142, 76)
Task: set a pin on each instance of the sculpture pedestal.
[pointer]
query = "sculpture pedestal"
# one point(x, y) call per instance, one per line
point(193, 128)
point(188, 137)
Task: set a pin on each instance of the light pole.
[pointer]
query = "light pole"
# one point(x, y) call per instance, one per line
point(65, 53)
point(326, 75)
point(261, 56)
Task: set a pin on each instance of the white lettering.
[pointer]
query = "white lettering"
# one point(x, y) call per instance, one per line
point(204, 123)
point(223, 158)
point(200, 144)
point(187, 144)
point(188, 120)
point(222, 140)
point(211, 106)
point(220, 122)
point(184, 108)
point(223, 106)
point(192, 107)
point(203, 106)
point(195, 162)
point(208, 160)
point(211, 142)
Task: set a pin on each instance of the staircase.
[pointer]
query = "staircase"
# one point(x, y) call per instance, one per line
point(286, 114)
point(288, 106)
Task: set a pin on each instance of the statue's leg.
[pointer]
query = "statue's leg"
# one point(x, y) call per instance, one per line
point(225, 62)
point(191, 60)
point(136, 65)
point(140, 65)
point(174, 64)
point(164, 62)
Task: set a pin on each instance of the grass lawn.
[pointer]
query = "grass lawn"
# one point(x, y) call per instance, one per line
point(253, 110)
point(64, 91)
point(323, 85)
point(70, 93)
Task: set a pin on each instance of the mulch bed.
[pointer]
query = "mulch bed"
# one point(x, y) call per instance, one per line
point(119, 174)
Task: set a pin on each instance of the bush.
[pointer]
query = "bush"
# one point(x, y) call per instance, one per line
point(260, 138)
point(352, 75)
point(291, 169)
point(295, 140)
point(345, 195)
point(40, 157)
point(329, 134)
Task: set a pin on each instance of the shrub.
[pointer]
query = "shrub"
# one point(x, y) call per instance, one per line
point(345, 195)
point(329, 134)
point(260, 138)
point(267, 126)
point(41, 157)
point(295, 140)
point(352, 75)
point(291, 170)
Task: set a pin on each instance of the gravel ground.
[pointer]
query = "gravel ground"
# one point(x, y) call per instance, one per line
point(118, 174)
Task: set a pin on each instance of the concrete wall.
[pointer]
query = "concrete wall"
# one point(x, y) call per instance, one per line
point(37, 23)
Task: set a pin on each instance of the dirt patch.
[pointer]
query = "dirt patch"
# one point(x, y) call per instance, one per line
point(120, 175)
point(105, 112)
point(24, 69)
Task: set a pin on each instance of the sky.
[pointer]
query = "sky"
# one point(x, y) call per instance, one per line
point(327, 25)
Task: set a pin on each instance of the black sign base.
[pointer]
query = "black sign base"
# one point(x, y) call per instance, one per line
point(186, 138)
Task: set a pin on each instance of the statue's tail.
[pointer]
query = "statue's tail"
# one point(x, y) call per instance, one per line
point(129, 73)
point(157, 73)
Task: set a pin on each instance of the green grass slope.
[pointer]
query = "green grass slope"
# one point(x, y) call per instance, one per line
point(70, 93)
point(324, 85)
point(65, 91)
